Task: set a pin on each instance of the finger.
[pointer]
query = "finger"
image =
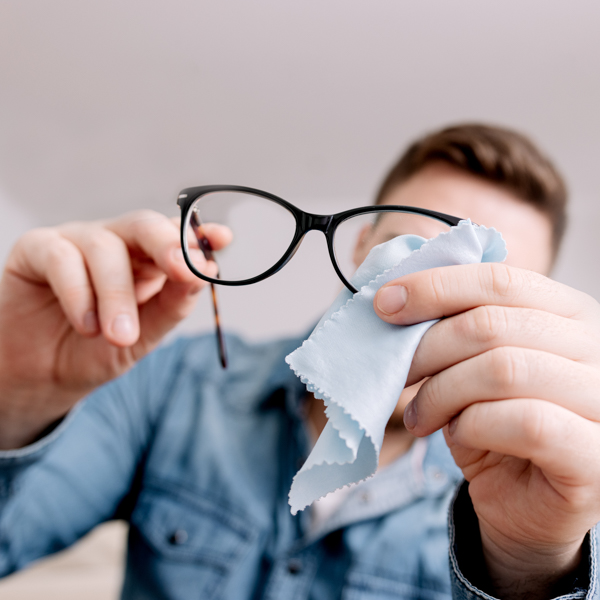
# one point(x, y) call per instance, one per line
point(447, 291)
point(155, 236)
point(212, 237)
point(163, 312)
point(204, 266)
point(107, 260)
point(463, 336)
point(47, 257)
point(564, 445)
point(145, 288)
point(158, 237)
point(219, 235)
point(504, 373)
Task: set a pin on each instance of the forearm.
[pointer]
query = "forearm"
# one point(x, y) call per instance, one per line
point(58, 488)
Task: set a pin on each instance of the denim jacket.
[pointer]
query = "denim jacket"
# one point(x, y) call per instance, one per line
point(199, 461)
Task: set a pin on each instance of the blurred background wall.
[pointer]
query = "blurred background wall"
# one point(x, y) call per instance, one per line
point(107, 106)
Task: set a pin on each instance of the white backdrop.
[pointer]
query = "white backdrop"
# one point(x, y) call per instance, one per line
point(14, 220)
point(107, 106)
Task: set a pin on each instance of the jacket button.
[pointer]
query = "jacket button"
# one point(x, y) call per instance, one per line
point(178, 537)
point(294, 567)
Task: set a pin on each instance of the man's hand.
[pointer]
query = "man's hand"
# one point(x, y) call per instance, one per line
point(79, 305)
point(514, 380)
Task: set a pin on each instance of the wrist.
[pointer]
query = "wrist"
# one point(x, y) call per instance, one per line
point(14, 436)
point(27, 415)
point(504, 569)
point(518, 571)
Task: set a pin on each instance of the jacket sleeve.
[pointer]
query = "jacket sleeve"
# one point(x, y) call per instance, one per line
point(468, 572)
point(56, 490)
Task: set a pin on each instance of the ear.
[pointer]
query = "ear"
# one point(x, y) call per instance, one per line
point(362, 245)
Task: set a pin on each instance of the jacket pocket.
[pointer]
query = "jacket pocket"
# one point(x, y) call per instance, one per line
point(194, 542)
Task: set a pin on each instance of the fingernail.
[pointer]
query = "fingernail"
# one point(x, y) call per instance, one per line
point(452, 425)
point(90, 322)
point(391, 299)
point(410, 415)
point(122, 327)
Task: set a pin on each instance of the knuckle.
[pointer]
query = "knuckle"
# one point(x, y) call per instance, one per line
point(98, 240)
point(75, 292)
point(60, 251)
point(439, 285)
point(145, 214)
point(430, 394)
point(73, 230)
point(32, 252)
point(539, 426)
point(146, 223)
point(486, 324)
point(36, 238)
point(475, 419)
point(116, 295)
point(589, 306)
point(502, 281)
point(141, 219)
point(506, 367)
point(34, 235)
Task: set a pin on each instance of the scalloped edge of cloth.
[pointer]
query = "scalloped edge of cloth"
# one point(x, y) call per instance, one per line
point(358, 364)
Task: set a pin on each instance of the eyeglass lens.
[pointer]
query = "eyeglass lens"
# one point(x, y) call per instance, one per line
point(261, 231)
point(356, 236)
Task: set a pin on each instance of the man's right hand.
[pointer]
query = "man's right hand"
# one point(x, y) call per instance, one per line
point(79, 305)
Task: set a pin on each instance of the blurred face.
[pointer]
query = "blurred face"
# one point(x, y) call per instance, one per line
point(443, 188)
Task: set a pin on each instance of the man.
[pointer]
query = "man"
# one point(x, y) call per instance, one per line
point(199, 460)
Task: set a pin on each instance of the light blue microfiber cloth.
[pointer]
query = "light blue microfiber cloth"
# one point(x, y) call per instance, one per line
point(358, 364)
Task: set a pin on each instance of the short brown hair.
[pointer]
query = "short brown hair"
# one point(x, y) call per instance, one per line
point(497, 154)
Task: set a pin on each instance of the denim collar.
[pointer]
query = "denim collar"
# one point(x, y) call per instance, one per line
point(426, 470)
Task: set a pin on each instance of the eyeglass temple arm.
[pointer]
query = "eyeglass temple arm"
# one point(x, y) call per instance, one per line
point(207, 250)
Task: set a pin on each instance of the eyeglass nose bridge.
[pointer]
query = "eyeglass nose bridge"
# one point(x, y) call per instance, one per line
point(312, 222)
point(324, 224)
point(308, 222)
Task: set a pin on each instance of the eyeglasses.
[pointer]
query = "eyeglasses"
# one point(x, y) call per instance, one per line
point(234, 235)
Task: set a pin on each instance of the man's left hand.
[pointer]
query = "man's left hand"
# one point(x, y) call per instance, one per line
point(514, 380)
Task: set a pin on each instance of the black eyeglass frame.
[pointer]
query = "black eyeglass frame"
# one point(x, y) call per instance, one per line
point(305, 222)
